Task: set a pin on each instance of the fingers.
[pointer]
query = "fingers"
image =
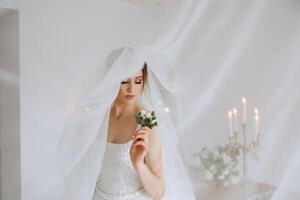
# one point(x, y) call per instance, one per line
point(145, 130)
point(142, 143)
point(141, 137)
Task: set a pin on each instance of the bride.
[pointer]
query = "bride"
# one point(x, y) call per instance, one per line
point(102, 154)
point(132, 165)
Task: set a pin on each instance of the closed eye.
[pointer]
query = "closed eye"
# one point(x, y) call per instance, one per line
point(138, 82)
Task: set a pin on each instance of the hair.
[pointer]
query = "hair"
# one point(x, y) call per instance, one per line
point(145, 75)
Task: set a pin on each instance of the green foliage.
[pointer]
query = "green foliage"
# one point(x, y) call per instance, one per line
point(148, 119)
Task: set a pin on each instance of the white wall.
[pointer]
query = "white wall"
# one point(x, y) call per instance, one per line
point(9, 105)
point(12, 4)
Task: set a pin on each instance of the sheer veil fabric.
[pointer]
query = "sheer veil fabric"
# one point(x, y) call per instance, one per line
point(81, 148)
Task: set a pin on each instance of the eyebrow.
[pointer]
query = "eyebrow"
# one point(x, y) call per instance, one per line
point(139, 77)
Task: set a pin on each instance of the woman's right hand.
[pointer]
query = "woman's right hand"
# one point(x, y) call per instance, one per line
point(140, 146)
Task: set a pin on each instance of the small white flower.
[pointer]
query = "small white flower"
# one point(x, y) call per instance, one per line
point(227, 159)
point(208, 175)
point(215, 154)
point(204, 155)
point(148, 115)
point(213, 169)
point(143, 113)
point(226, 171)
point(221, 176)
point(205, 152)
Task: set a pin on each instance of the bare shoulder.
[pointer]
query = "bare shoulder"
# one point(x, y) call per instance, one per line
point(141, 107)
point(154, 137)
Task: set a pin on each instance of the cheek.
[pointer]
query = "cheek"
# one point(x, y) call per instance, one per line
point(123, 89)
point(140, 88)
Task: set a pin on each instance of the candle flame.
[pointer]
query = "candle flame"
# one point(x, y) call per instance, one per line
point(234, 111)
point(244, 100)
point(167, 109)
point(256, 112)
point(229, 113)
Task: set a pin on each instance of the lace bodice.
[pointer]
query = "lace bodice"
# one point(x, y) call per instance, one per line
point(118, 179)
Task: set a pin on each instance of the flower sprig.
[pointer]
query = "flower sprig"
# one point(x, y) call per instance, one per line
point(144, 118)
point(220, 164)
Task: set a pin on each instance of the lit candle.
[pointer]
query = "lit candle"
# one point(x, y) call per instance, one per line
point(244, 109)
point(256, 119)
point(235, 120)
point(230, 123)
point(256, 112)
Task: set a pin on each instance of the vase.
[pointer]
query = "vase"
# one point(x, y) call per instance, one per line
point(219, 188)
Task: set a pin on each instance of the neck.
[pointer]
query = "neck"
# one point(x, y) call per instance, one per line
point(120, 109)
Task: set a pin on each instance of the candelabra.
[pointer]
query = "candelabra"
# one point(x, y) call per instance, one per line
point(245, 149)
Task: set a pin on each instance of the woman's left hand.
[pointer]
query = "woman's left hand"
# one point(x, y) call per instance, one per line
point(140, 146)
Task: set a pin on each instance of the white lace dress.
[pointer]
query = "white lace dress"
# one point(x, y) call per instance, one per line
point(118, 179)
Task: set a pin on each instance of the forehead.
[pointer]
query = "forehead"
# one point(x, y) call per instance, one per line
point(137, 74)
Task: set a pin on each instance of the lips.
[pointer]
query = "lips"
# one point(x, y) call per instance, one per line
point(129, 96)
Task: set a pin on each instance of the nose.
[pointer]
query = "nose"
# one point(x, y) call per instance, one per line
point(130, 87)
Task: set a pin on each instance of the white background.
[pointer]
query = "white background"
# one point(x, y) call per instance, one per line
point(230, 49)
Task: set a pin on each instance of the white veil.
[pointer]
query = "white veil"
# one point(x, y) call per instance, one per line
point(82, 144)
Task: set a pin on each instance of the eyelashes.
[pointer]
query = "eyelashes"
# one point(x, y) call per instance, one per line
point(136, 82)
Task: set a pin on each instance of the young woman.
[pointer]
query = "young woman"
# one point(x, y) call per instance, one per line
point(132, 166)
point(102, 154)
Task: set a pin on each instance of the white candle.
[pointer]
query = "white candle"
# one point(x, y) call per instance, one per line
point(256, 119)
point(244, 109)
point(256, 112)
point(230, 123)
point(235, 120)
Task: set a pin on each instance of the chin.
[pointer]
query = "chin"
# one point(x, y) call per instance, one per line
point(125, 100)
point(130, 100)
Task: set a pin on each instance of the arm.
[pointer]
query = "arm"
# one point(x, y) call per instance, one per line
point(151, 172)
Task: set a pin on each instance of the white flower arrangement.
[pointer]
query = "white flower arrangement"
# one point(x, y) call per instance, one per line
point(145, 118)
point(220, 164)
